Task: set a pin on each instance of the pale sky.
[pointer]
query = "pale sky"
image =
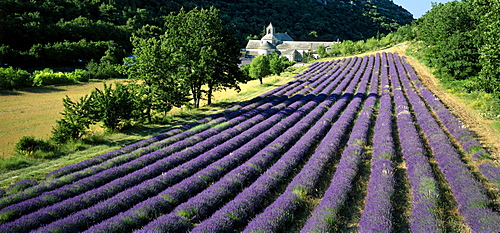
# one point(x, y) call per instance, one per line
point(418, 7)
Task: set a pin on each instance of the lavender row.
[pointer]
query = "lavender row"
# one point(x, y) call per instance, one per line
point(226, 114)
point(105, 190)
point(110, 174)
point(282, 210)
point(377, 214)
point(425, 194)
point(133, 178)
point(128, 198)
point(100, 178)
point(461, 133)
point(244, 205)
point(226, 186)
point(470, 195)
point(168, 192)
point(491, 172)
point(53, 184)
point(325, 216)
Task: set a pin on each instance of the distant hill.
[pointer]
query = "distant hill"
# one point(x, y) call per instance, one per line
point(29, 27)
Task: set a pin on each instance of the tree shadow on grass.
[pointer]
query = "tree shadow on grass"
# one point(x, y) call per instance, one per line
point(35, 90)
point(44, 89)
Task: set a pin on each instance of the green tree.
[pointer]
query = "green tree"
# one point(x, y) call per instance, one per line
point(447, 31)
point(322, 51)
point(276, 63)
point(194, 50)
point(154, 70)
point(204, 51)
point(259, 67)
point(115, 106)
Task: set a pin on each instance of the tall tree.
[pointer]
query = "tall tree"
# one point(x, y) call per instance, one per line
point(160, 88)
point(192, 52)
point(447, 30)
point(204, 52)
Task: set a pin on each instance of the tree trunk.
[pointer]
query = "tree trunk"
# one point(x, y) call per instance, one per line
point(209, 95)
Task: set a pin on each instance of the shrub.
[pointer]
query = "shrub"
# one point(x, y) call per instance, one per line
point(78, 116)
point(27, 145)
point(104, 70)
point(115, 106)
point(48, 77)
point(11, 78)
point(79, 75)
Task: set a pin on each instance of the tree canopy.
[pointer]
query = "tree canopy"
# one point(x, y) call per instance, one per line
point(461, 39)
point(194, 50)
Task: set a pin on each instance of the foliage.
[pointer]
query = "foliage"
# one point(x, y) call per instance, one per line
point(79, 75)
point(264, 65)
point(104, 70)
point(210, 57)
point(259, 67)
point(77, 118)
point(446, 30)
point(49, 77)
point(114, 106)
point(348, 47)
point(68, 32)
point(11, 78)
point(175, 64)
point(487, 13)
point(15, 162)
point(29, 144)
point(161, 90)
point(461, 43)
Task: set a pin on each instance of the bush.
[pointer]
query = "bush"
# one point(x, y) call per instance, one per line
point(27, 145)
point(79, 75)
point(48, 77)
point(11, 78)
point(115, 106)
point(104, 70)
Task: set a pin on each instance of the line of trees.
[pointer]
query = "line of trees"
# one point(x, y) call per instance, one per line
point(461, 43)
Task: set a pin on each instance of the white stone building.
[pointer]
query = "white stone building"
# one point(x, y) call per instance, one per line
point(283, 44)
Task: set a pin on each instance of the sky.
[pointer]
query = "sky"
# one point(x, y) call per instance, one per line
point(418, 7)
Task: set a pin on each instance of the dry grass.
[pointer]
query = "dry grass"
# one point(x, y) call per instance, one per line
point(33, 111)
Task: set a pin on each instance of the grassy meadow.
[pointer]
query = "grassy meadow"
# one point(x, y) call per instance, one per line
point(34, 111)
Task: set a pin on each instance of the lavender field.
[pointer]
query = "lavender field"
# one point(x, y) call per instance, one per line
point(352, 145)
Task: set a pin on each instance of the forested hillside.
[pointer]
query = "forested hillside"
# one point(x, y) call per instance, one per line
point(460, 42)
point(71, 33)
